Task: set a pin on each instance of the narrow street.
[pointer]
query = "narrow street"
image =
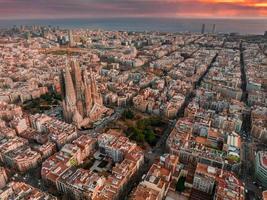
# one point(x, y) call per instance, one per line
point(244, 97)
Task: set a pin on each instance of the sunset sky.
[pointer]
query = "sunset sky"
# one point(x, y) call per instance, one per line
point(13, 9)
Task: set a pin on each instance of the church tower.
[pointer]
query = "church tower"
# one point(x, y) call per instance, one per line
point(79, 85)
point(69, 100)
point(81, 101)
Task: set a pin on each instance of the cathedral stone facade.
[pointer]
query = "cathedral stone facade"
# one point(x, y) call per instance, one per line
point(81, 101)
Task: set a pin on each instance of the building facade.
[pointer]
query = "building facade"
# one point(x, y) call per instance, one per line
point(261, 167)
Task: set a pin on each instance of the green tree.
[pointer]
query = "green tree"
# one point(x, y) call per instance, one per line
point(135, 134)
point(180, 185)
point(140, 137)
point(150, 136)
point(143, 123)
point(128, 114)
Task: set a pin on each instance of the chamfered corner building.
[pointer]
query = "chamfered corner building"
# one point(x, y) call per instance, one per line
point(261, 167)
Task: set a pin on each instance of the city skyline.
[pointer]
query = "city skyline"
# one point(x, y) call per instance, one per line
point(44, 9)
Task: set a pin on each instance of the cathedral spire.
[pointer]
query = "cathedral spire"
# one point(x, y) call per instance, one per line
point(88, 93)
point(69, 88)
point(78, 84)
point(82, 104)
point(95, 95)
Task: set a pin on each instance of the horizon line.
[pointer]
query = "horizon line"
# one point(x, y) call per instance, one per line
point(136, 17)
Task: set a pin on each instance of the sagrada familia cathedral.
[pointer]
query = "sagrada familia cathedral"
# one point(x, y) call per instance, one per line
point(81, 101)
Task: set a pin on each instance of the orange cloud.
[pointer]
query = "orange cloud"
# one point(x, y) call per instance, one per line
point(223, 1)
point(226, 8)
point(254, 3)
point(260, 5)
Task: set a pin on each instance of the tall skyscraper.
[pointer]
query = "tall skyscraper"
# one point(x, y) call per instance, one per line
point(203, 28)
point(71, 40)
point(213, 28)
point(82, 103)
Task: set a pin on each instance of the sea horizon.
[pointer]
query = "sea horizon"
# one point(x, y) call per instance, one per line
point(255, 26)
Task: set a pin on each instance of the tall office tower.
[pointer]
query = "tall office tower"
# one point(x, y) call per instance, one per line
point(82, 103)
point(203, 29)
point(22, 28)
point(213, 28)
point(71, 40)
point(28, 35)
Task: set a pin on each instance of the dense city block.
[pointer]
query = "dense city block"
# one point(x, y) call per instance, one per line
point(111, 115)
